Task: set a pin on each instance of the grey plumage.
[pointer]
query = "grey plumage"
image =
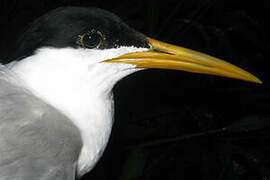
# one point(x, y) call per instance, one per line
point(36, 140)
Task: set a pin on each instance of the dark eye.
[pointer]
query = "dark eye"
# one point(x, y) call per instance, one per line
point(91, 40)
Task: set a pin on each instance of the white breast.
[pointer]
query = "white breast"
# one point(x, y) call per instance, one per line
point(77, 84)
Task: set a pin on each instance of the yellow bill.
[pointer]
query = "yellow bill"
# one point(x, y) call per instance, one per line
point(167, 56)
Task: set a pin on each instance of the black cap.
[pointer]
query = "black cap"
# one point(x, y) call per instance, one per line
point(63, 27)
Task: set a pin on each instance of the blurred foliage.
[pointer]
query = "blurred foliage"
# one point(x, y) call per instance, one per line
point(176, 125)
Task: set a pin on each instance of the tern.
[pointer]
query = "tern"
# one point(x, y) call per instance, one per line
point(56, 100)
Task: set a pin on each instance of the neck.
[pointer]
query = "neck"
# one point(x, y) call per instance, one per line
point(79, 90)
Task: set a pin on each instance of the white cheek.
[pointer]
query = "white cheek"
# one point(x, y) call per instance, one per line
point(97, 55)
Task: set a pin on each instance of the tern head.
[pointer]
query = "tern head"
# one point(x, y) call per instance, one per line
point(72, 43)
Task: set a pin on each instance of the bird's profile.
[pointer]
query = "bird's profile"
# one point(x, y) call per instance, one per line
point(56, 102)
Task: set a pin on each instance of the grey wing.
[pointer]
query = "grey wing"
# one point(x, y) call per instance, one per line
point(36, 141)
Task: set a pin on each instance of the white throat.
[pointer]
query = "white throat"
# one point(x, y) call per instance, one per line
point(77, 84)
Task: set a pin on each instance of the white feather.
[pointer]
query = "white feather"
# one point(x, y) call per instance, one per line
point(77, 83)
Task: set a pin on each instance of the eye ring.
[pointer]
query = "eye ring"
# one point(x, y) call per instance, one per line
point(92, 39)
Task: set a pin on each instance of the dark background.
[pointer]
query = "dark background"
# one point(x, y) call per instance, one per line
point(177, 125)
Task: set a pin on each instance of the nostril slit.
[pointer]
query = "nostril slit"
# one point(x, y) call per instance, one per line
point(158, 50)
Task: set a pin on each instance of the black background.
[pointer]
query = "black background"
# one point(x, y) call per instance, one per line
point(177, 125)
